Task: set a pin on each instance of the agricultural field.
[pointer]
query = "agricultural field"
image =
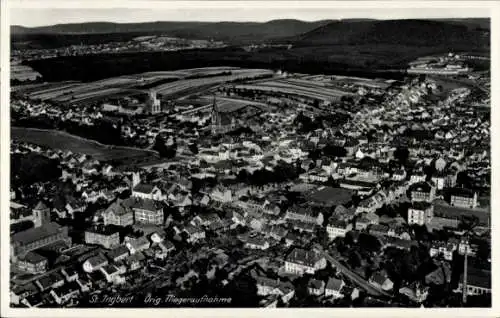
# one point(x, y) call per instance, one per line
point(61, 140)
point(297, 87)
point(187, 84)
point(170, 84)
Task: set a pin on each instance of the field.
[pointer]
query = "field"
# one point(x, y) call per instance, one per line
point(183, 85)
point(64, 141)
point(169, 84)
point(298, 87)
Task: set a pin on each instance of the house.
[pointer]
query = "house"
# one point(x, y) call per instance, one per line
point(33, 263)
point(135, 261)
point(422, 192)
point(221, 195)
point(69, 273)
point(32, 301)
point(205, 219)
point(442, 248)
point(119, 213)
point(75, 206)
point(147, 191)
point(399, 175)
point(420, 213)
point(137, 245)
point(102, 235)
point(337, 228)
point(84, 284)
point(415, 292)
point(334, 288)
point(166, 247)
point(118, 253)
point(194, 233)
point(64, 293)
point(304, 215)
point(463, 198)
point(112, 274)
point(257, 243)
point(378, 229)
point(53, 280)
point(94, 263)
point(316, 287)
point(267, 286)
point(148, 211)
point(380, 280)
point(300, 261)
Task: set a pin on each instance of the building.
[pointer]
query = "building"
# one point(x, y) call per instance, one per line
point(301, 261)
point(33, 263)
point(334, 288)
point(221, 122)
point(420, 213)
point(463, 198)
point(380, 280)
point(422, 192)
point(146, 191)
point(41, 214)
point(37, 237)
point(102, 235)
point(337, 228)
point(478, 282)
point(148, 211)
point(316, 287)
point(153, 105)
point(304, 215)
point(94, 263)
point(119, 213)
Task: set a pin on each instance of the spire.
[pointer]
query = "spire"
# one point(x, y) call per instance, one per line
point(214, 105)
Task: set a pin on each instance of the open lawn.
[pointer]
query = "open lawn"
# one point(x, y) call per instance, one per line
point(64, 141)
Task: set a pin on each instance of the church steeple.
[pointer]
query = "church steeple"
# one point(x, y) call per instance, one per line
point(215, 117)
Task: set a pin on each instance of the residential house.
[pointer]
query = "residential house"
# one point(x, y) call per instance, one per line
point(112, 274)
point(135, 261)
point(119, 213)
point(53, 280)
point(300, 261)
point(136, 245)
point(267, 286)
point(422, 192)
point(420, 213)
point(33, 263)
point(337, 228)
point(316, 287)
point(256, 243)
point(464, 198)
point(148, 211)
point(102, 235)
point(380, 280)
point(118, 253)
point(147, 191)
point(94, 263)
point(442, 248)
point(378, 229)
point(304, 215)
point(69, 273)
point(334, 288)
point(65, 293)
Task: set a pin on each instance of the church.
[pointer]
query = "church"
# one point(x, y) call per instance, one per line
point(222, 122)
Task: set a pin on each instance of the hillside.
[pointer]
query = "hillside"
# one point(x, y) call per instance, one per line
point(235, 32)
point(396, 32)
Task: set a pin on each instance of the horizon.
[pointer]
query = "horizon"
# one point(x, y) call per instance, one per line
point(46, 17)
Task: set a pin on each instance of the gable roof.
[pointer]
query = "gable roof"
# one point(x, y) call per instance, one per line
point(143, 188)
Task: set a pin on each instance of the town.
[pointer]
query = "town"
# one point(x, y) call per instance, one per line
point(273, 189)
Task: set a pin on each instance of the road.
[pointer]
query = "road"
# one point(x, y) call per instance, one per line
point(360, 282)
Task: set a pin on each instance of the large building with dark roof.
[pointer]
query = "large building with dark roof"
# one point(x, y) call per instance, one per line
point(34, 238)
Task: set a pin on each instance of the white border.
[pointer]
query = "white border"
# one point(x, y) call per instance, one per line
point(493, 6)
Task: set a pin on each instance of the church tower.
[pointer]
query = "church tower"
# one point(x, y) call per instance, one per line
point(215, 118)
point(41, 214)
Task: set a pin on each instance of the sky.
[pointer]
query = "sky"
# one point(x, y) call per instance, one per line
point(33, 17)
